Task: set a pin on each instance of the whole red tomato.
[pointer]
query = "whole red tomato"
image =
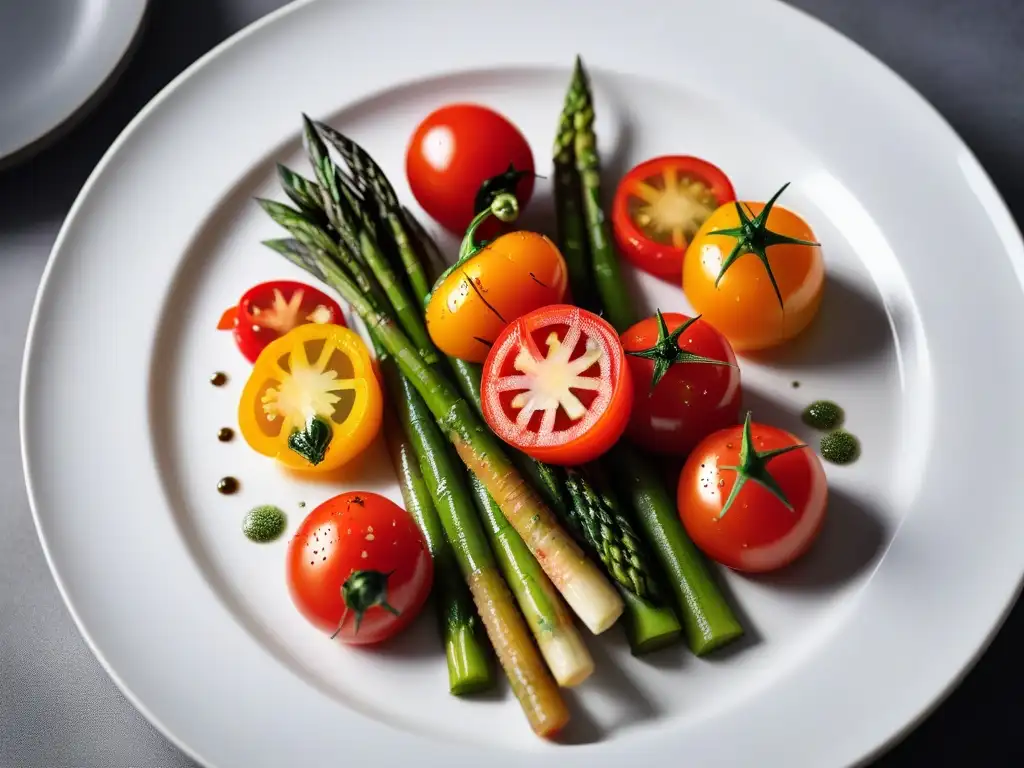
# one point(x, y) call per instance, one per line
point(454, 151)
point(358, 567)
point(752, 497)
point(686, 383)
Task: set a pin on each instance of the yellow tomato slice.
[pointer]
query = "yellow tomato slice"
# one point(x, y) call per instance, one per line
point(312, 401)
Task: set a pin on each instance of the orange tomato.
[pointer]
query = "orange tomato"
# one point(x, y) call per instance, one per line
point(515, 274)
point(771, 290)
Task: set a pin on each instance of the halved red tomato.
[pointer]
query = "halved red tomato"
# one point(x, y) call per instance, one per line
point(567, 404)
point(659, 206)
point(269, 310)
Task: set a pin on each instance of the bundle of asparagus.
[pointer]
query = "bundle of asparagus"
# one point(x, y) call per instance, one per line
point(520, 565)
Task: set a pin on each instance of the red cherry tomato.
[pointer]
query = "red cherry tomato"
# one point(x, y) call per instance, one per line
point(752, 497)
point(686, 382)
point(269, 310)
point(659, 206)
point(359, 568)
point(567, 404)
point(454, 151)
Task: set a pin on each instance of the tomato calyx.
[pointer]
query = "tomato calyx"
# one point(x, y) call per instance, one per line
point(311, 442)
point(362, 591)
point(754, 466)
point(505, 208)
point(753, 236)
point(505, 182)
point(667, 352)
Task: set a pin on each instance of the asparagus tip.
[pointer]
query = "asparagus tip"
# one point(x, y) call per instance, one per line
point(579, 72)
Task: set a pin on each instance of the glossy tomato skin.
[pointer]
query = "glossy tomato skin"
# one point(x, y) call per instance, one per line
point(663, 256)
point(757, 533)
point(573, 442)
point(252, 321)
point(692, 399)
point(515, 274)
point(744, 306)
point(453, 151)
point(358, 531)
point(275, 401)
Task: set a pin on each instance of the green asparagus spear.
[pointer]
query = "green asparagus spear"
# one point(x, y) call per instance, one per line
point(596, 520)
point(531, 681)
point(542, 607)
point(710, 622)
point(360, 241)
point(469, 670)
point(365, 169)
point(571, 232)
point(304, 193)
point(618, 309)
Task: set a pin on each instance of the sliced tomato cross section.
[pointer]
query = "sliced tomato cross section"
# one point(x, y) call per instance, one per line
point(267, 311)
point(312, 400)
point(556, 385)
point(659, 206)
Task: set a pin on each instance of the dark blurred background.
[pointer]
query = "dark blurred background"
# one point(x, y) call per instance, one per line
point(59, 708)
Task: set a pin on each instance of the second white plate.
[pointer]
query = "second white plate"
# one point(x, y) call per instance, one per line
point(55, 55)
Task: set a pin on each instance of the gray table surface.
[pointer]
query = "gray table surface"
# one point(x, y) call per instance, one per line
point(58, 708)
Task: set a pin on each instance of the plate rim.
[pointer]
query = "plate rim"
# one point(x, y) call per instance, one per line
point(271, 18)
point(89, 97)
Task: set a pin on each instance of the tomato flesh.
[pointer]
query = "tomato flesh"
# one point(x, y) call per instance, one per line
point(758, 532)
point(556, 385)
point(660, 205)
point(359, 533)
point(315, 385)
point(269, 310)
point(453, 151)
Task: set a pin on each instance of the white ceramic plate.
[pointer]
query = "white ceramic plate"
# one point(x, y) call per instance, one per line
point(922, 553)
point(55, 55)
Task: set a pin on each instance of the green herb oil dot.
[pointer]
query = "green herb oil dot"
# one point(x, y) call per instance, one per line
point(840, 447)
point(264, 523)
point(823, 414)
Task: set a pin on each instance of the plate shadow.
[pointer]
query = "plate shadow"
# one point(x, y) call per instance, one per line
point(632, 704)
point(851, 328)
point(852, 540)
